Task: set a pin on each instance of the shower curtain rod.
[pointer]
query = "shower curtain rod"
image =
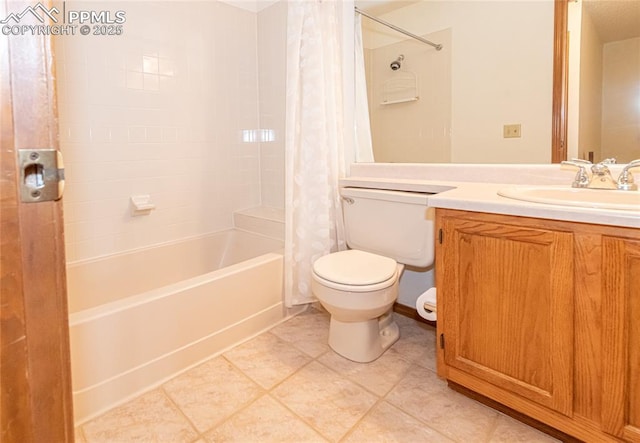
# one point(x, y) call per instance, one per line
point(400, 30)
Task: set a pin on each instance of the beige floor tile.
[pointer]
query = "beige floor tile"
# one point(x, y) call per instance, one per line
point(264, 421)
point(149, 418)
point(386, 423)
point(417, 342)
point(421, 394)
point(332, 396)
point(267, 359)
point(308, 332)
point(509, 430)
point(379, 376)
point(79, 435)
point(211, 392)
point(331, 403)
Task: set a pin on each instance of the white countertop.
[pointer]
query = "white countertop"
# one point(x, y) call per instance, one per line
point(483, 197)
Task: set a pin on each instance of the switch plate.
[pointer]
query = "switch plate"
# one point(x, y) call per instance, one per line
point(512, 131)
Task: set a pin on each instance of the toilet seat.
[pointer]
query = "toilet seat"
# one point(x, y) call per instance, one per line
point(355, 271)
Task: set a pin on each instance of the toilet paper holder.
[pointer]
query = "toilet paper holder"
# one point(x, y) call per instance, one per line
point(426, 305)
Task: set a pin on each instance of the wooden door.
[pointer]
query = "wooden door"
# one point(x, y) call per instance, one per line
point(34, 353)
point(621, 337)
point(507, 300)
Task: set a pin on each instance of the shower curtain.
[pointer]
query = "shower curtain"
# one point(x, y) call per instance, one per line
point(364, 144)
point(320, 139)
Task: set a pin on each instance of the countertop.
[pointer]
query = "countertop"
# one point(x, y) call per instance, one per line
point(483, 197)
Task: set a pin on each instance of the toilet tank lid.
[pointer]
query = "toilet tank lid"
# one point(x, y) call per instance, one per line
point(354, 267)
point(416, 198)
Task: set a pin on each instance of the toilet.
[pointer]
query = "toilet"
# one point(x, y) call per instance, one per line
point(385, 230)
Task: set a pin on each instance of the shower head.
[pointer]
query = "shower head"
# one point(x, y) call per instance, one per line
point(395, 65)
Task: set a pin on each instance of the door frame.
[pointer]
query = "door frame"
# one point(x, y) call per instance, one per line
point(36, 401)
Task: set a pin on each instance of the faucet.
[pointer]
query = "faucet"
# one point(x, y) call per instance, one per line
point(600, 177)
point(625, 180)
point(582, 177)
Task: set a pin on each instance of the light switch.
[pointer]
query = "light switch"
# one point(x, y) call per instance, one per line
point(512, 131)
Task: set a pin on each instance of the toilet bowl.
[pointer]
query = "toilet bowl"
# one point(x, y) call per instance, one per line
point(358, 289)
point(384, 229)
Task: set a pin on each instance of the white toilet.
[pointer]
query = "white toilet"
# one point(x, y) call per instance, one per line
point(385, 230)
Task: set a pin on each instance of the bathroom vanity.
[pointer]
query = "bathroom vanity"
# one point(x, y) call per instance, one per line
point(538, 304)
point(543, 316)
point(539, 308)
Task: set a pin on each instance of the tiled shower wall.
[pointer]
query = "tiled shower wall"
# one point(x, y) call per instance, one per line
point(170, 109)
point(272, 64)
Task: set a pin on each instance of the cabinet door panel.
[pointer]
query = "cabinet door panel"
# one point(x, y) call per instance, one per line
point(508, 314)
point(621, 338)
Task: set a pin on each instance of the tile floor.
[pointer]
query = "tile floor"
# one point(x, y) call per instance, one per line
point(287, 385)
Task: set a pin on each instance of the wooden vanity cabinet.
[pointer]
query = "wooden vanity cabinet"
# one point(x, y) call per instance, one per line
point(543, 317)
point(621, 334)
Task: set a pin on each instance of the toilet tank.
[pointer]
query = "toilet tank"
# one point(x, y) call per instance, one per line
point(394, 224)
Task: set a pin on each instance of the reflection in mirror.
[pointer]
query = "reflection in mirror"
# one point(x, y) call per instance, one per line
point(495, 70)
point(604, 80)
point(409, 94)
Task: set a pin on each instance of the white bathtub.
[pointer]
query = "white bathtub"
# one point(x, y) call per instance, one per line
point(139, 318)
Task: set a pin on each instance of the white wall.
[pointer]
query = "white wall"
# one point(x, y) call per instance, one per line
point(621, 100)
point(590, 106)
point(502, 60)
point(574, 29)
point(160, 110)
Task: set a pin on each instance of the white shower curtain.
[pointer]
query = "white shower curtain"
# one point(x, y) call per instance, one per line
point(320, 136)
point(364, 145)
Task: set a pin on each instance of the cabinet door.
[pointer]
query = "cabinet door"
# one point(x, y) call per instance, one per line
point(621, 337)
point(507, 296)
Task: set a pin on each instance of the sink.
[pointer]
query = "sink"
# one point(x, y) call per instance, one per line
point(565, 196)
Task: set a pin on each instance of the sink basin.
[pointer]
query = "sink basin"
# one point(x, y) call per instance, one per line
point(565, 196)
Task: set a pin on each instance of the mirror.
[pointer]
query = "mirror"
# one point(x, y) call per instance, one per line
point(603, 118)
point(503, 69)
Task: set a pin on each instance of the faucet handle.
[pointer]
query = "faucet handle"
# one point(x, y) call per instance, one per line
point(625, 180)
point(609, 161)
point(582, 177)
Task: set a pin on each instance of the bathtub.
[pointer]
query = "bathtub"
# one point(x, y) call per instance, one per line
point(139, 318)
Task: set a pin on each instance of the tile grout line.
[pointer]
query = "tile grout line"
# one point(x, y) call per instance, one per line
point(412, 365)
point(185, 416)
point(268, 392)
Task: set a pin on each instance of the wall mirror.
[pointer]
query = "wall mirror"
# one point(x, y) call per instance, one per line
point(604, 79)
point(500, 91)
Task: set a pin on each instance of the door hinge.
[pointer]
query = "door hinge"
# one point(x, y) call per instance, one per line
point(41, 175)
point(440, 235)
point(441, 341)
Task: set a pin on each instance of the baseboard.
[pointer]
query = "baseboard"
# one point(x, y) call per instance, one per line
point(410, 312)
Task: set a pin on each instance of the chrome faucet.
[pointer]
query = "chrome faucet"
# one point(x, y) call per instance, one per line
point(625, 180)
point(600, 177)
point(582, 177)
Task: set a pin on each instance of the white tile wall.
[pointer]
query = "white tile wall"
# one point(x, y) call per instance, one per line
point(160, 110)
point(272, 61)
